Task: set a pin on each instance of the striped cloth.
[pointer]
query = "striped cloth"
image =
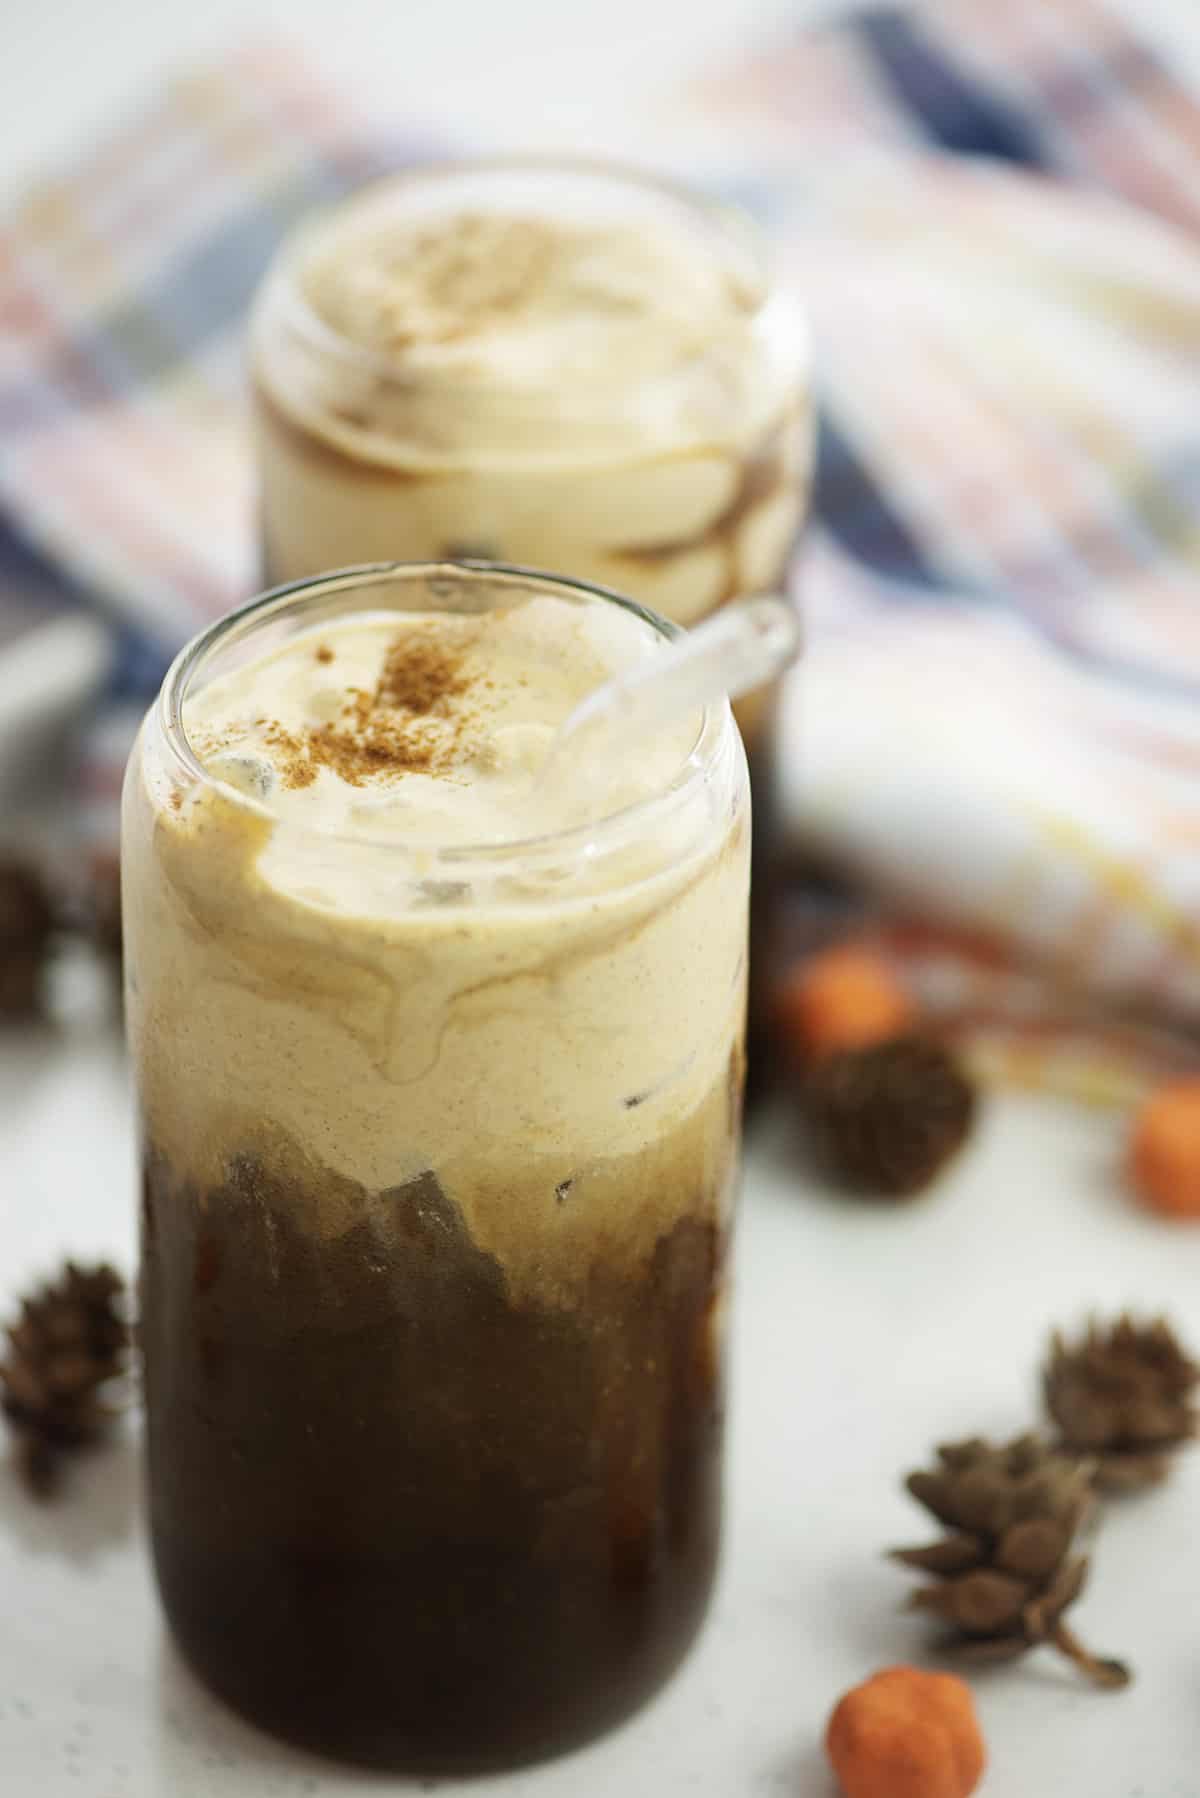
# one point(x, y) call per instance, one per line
point(124, 282)
point(991, 212)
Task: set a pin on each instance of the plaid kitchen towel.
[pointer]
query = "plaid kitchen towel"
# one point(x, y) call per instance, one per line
point(126, 483)
point(992, 215)
point(124, 283)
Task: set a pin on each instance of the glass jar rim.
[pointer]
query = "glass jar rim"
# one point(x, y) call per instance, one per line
point(713, 739)
point(733, 221)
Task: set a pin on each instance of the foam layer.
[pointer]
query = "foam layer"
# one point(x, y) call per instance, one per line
point(566, 368)
point(425, 728)
point(527, 289)
point(303, 972)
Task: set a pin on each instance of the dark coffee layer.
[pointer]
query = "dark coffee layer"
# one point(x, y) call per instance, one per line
point(397, 1516)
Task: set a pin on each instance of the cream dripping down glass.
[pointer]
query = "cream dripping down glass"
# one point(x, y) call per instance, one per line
point(440, 1096)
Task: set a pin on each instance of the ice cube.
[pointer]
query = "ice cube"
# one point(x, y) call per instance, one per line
point(517, 748)
point(326, 704)
point(248, 774)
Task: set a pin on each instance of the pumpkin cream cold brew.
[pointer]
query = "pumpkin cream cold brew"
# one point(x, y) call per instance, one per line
point(566, 366)
point(440, 1095)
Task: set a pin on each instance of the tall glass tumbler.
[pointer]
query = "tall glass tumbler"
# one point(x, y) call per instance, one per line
point(439, 1152)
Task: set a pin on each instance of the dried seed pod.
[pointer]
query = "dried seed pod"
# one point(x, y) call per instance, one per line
point(1007, 1573)
point(1124, 1396)
point(69, 1342)
point(885, 1119)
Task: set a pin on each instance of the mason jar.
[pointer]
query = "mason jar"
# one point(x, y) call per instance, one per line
point(439, 1144)
point(568, 365)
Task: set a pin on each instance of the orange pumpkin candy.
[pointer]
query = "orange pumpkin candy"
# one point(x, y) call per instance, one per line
point(907, 1734)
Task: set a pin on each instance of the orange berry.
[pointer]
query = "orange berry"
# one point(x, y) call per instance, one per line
point(1165, 1151)
point(843, 998)
point(907, 1734)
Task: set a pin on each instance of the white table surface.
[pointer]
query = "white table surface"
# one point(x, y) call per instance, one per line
point(862, 1336)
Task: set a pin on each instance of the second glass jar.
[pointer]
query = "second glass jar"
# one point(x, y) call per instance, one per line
point(565, 365)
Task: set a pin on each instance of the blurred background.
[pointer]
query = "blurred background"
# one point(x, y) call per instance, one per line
point(990, 761)
point(990, 221)
point(71, 70)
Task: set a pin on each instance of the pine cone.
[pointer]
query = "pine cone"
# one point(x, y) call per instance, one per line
point(1007, 1571)
point(70, 1340)
point(886, 1118)
point(1123, 1397)
point(26, 925)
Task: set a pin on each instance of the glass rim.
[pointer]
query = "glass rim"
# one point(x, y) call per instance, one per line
point(715, 732)
point(733, 220)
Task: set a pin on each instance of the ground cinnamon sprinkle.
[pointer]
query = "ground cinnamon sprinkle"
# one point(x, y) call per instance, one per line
point(405, 724)
point(379, 747)
point(421, 669)
point(298, 769)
